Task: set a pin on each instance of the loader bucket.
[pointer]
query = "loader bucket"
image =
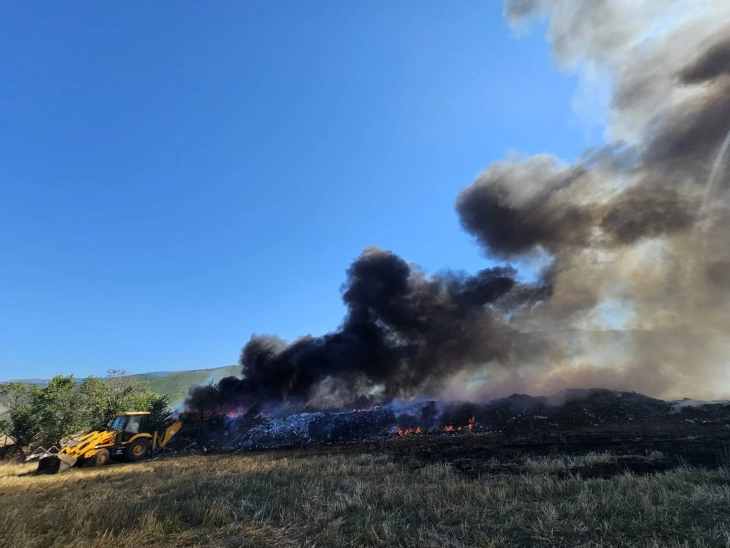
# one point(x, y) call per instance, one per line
point(54, 464)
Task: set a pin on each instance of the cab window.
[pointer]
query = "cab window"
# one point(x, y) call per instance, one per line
point(133, 425)
point(118, 423)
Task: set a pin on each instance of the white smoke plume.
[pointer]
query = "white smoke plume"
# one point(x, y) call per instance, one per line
point(637, 229)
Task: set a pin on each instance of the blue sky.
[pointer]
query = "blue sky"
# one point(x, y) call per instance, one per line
point(177, 176)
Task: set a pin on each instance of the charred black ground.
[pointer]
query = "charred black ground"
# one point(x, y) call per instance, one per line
point(631, 431)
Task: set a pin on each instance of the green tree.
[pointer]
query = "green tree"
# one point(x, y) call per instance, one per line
point(102, 399)
point(57, 410)
point(44, 415)
point(94, 397)
point(123, 391)
point(21, 423)
point(160, 412)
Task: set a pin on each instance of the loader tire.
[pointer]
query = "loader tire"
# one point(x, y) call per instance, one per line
point(101, 458)
point(137, 450)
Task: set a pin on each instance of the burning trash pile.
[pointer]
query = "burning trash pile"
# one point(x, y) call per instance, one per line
point(562, 411)
point(313, 428)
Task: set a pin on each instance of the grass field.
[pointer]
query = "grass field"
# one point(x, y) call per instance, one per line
point(355, 497)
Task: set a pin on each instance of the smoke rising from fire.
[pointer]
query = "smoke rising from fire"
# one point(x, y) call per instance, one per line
point(625, 225)
point(636, 294)
point(404, 335)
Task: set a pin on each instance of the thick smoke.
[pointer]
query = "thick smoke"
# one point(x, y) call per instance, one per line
point(405, 334)
point(637, 230)
point(635, 294)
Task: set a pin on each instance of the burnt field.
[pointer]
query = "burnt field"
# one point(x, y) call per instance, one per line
point(637, 448)
point(640, 434)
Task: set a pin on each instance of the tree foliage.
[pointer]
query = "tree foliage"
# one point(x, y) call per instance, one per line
point(102, 399)
point(43, 415)
point(22, 424)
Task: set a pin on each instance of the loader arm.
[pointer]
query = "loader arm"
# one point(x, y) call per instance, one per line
point(85, 447)
point(88, 443)
point(170, 431)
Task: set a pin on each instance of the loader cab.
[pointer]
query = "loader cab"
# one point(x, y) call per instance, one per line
point(129, 425)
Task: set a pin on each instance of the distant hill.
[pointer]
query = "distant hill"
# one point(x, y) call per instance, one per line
point(41, 382)
point(173, 384)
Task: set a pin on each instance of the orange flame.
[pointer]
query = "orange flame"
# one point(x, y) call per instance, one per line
point(471, 423)
point(449, 428)
point(366, 410)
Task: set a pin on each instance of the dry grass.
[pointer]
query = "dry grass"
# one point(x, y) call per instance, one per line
point(725, 460)
point(301, 499)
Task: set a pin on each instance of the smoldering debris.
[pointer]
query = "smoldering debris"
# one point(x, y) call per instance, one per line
point(314, 428)
point(518, 414)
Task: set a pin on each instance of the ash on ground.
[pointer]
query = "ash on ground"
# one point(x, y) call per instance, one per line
point(518, 414)
point(312, 428)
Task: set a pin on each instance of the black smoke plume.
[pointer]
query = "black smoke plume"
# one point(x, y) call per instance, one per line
point(631, 243)
point(404, 334)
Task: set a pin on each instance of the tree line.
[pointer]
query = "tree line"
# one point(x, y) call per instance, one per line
point(44, 415)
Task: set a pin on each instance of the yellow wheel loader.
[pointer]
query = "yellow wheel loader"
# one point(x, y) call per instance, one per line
point(129, 437)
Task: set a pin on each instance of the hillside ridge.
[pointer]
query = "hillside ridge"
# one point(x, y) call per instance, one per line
point(173, 384)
